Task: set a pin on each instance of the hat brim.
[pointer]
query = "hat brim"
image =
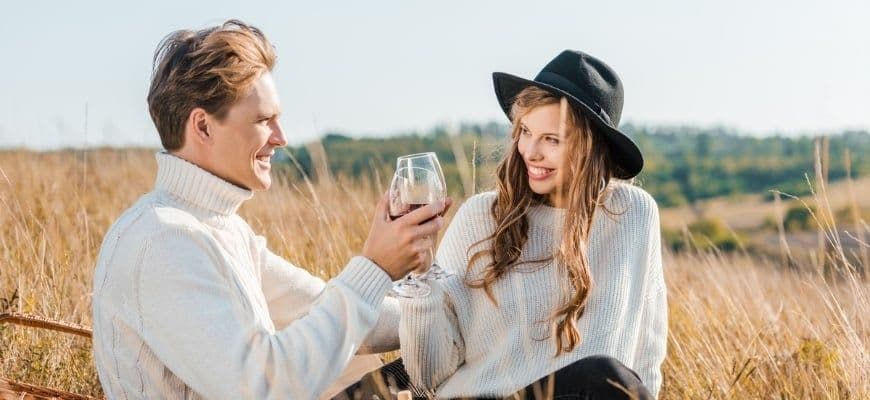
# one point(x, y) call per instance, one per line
point(623, 150)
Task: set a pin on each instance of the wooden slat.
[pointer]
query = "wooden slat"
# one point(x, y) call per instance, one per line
point(10, 390)
point(45, 323)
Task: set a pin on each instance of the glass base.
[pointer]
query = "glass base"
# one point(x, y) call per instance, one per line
point(410, 288)
point(436, 273)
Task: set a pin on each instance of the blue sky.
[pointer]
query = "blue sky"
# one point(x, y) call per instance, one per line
point(381, 67)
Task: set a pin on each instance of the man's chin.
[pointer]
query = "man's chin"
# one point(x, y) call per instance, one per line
point(262, 184)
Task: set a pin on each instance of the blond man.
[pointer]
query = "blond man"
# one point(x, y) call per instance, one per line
point(188, 301)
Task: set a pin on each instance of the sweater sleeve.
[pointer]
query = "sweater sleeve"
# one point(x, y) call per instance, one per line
point(384, 336)
point(652, 341)
point(291, 290)
point(432, 346)
point(195, 320)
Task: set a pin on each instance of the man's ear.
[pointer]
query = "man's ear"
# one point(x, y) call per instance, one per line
point(198, 125)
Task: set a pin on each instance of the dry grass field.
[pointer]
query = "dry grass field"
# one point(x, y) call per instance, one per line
point(749, 211)
point(741, 327)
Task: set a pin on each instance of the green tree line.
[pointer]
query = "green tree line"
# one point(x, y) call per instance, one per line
point(682, 164)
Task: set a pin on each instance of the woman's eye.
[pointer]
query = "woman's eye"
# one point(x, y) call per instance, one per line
point(525, 132)
point(552, 140)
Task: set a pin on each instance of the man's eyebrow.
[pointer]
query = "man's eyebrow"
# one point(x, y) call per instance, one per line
point(269, 115)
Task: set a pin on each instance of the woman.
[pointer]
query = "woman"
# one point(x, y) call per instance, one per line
point(559, 289)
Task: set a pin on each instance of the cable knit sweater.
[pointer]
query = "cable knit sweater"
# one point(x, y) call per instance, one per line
point(189, 303)
point(456, 341)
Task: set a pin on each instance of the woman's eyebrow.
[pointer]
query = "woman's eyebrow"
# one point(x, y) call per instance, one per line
point(524, 127)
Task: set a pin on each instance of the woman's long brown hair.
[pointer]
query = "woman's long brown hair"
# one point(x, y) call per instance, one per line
point(589, 171)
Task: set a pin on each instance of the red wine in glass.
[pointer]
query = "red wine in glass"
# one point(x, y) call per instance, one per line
point(429, 161)
point(410, 207)
point(410, 189)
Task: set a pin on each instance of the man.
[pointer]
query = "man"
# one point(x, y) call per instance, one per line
point(188, 301)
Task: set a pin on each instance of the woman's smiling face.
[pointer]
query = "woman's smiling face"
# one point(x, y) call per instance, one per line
point(542, 146)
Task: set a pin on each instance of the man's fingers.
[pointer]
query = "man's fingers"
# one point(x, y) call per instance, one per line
point(421, 214)
point(429, 228)
point(424, 243)
point(448, 202)
point(382, 210)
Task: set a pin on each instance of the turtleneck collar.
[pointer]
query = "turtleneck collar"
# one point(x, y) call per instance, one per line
point(198, 187)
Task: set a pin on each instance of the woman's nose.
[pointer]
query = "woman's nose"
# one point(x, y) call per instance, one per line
point(533, 152)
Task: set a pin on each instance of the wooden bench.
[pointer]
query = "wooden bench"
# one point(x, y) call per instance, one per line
point(11, 390)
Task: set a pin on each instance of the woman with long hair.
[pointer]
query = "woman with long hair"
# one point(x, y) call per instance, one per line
point(559, 288)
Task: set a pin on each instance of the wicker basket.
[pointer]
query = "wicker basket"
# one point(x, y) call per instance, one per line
point(10, 390)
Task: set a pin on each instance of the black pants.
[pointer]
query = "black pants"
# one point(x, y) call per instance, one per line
point(383, 383)
point(591, 378)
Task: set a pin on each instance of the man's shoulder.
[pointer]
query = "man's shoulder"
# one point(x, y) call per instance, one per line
point(149, 229)
point(150, 217)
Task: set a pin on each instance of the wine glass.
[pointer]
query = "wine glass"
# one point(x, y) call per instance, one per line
point(411, 189)
point(430, 162)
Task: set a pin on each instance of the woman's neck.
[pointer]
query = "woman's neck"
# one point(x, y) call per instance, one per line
point(555, 200)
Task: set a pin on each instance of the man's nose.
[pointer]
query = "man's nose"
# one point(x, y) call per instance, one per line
point(278, 138)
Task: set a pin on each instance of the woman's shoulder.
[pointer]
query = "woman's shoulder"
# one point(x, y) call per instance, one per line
point(478, 205)
point(631, 201)
point(626, 192)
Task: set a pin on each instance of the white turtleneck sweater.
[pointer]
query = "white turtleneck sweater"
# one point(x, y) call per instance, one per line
point(189, 303)
point(457, 342)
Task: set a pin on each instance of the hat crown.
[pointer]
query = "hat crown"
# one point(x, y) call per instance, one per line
point(593, 88)
point(589, 79)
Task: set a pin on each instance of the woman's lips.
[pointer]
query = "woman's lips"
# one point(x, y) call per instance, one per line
point(539, 173)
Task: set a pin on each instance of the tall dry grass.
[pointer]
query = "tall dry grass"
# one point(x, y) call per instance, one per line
point(740, 327)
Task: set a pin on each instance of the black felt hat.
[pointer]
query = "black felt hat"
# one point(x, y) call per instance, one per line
point(589, 85)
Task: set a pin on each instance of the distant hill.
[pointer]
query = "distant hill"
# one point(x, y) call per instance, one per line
point(683, 164)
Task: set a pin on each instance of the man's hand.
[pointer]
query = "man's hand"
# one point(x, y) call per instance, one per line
point(403, 245)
